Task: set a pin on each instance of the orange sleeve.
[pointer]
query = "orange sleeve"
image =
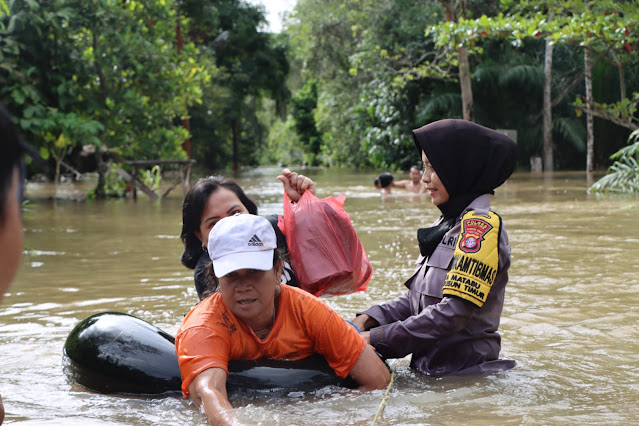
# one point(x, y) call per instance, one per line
point(198, 349)
point(341, 345)
point(335, 339)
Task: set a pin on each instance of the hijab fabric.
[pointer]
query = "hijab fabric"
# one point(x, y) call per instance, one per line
point(470, 160)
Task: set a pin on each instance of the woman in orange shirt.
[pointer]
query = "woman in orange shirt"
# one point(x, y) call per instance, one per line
point(254, 316)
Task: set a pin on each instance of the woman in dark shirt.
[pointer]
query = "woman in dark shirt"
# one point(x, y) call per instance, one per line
point(215, 197)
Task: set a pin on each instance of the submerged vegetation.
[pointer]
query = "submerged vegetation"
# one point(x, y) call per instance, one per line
point(623, 174)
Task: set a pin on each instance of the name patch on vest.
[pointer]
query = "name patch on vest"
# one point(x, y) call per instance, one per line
point(476, 258)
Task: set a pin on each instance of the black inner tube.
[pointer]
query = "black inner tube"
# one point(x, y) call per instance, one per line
point(116, 353)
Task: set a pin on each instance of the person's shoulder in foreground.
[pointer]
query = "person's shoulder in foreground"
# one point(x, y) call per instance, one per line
point(11, 192)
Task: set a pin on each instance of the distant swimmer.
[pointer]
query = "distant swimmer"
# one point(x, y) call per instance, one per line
point(414, 184)
point(384, 182)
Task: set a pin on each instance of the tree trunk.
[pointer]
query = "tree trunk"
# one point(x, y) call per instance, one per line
point(186, 144)
point(622, 82)
point(57, 170)
point(236, 142)
point(590, 141)
point(103, 167)
point(622, 78)
point(466, 88)
point(100, 191)
point(464, 66)
point(548, 145)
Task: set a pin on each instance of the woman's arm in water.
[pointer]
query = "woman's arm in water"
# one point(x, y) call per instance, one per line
point(295, 184)
point(208, 391)
point(365, 322)
point(370, 372)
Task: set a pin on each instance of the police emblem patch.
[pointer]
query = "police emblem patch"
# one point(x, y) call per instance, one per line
point(476, 258)
point(473, 231)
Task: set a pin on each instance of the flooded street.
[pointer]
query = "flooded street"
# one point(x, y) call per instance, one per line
point(570, 315)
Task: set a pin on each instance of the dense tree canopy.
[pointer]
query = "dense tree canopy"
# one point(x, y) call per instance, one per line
point(98, 72)
point(343, 84)
point(404, 70)
point(252, 65)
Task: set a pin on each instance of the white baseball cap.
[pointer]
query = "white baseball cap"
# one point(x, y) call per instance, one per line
point(241, 241)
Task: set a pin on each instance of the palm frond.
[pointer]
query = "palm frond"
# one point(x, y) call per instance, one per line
point(487, 72)
point(524, 76)
point(572, 130)
point(446, 103)
point(631, 150)
point(623, 175)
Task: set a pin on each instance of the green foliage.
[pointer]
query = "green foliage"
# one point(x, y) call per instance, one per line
point(623, 175)
point(385, 141)
point(608, 28)
point(283, 146)
point(588, 24)
point(303, 107)
point(108, 73)
point(252, 65)
point(341, 134)
point(100, 72)
point(115, 186)
point(531, 76)
point(389, 66)
point(61, 132)
point(439, 105)
point(623, 111)
point(152, 178)
point(571, 130)
point(360, 52)
point(142, 85)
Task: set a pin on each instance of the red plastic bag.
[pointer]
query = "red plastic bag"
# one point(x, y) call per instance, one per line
point(324, 250)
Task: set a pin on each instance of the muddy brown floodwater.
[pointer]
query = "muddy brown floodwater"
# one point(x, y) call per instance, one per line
point(570, 317)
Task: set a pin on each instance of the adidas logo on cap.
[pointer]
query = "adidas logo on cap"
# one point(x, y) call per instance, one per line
point(255, 241)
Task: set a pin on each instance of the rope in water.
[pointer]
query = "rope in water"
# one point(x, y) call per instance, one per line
point(380, 410)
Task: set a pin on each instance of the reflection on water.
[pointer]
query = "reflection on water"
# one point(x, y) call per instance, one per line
point(570, 317)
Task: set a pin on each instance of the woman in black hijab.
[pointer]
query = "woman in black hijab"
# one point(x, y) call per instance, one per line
point(448, 318)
